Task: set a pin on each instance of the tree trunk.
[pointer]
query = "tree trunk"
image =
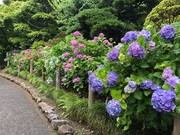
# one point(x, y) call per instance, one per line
point(90, 96)
point(176, 130)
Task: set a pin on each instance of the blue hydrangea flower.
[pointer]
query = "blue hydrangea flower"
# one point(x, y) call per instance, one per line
point(90, 78)
point(130, 36)
point(113, 54)
point(112, 79)
point(97, 86)
point(162, 100)
point(146, 84)
point(146, 34)
point(136, 51)
point(155, 87)
point(167, 32)
point(173, 81)
point(95, 83)
point(167, 73)
point(132, 84)
point(128, 89)
point(113, 108)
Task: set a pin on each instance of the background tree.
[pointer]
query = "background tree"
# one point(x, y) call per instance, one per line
point(166, 12)
point(93, 16)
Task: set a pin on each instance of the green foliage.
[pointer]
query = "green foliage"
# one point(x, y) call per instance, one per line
point(166, 12)
point(99, 120)
point(136, 103)
point(93, 21)
point(23, 74)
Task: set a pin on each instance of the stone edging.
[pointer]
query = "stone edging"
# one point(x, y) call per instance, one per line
point(62, 126)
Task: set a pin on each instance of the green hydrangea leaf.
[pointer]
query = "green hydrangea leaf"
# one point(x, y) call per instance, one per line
point(138, 95)
point(141, 108)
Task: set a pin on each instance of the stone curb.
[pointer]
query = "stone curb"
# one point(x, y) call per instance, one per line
point(62, 126)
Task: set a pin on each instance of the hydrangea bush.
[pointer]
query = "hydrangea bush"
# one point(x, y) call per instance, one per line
point(141, 75)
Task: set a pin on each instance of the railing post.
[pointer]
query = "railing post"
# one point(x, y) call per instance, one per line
point(43, 71)
point(58, 78)
point(90, 96)
point(8, 62)
point(176, 130)
point(31, 66)
point(19, 67)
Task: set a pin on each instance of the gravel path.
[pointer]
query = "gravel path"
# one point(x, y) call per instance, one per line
point(19, 115)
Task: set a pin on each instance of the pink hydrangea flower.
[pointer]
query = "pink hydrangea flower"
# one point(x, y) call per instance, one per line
point(109, 44)
point(76, 51)
point(66, 69)
point(76, 33)
point(66, 54)
point(81, 45)
point(15, 61)
point(101, 34)
point(70, 60)
point(90, 59)
point(63, 80)
point(95, 38)
point(106, 41)
point(77, 79)
point(84, 56)
point(74, 42)
point(68, 65)
point(79, 56)
point(64, 63)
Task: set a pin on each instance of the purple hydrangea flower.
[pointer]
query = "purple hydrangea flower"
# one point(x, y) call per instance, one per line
point(95, 83)
point(100, 66)
point(113, 54)
point(155, 87)
point(129, 36)
point(146, 84)
point(146, 34)
point(132, 84)
point(167, 73)
point(91, 77)
point(112, 79)
point(64, 79)
point(152, 45)
point(113, 108)
point(167, 32)
point(162, 100)
point(136, 51)
point(173, 81)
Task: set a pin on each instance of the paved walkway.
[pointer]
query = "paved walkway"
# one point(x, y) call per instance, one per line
point(19, 115)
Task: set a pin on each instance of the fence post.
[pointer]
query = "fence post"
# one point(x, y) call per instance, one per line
point(8, 62)
point(58, 78)
point(43, 75)
point(19, 67)
point(90, 96)
point(176, 130)
point(31, 66)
